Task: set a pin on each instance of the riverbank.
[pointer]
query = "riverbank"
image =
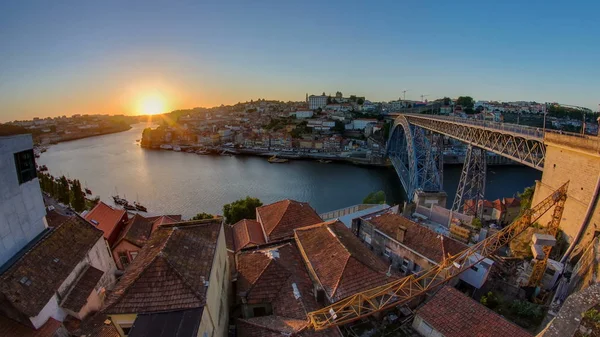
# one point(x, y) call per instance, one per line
point(48, 140)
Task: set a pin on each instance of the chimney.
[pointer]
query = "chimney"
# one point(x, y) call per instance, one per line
point(400, 233)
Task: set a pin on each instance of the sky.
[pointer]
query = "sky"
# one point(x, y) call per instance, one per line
point(68, 57)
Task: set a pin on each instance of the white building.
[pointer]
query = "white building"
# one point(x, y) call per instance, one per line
point(22, 208)
point(361, 123)
point(315, 102)
point(303, 114)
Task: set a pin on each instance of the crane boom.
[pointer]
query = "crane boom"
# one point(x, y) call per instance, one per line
point(377, 299)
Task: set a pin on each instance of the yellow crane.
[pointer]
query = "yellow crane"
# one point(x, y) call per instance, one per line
point(401, 291)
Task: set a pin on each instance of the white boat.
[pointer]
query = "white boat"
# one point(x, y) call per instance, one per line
point(166, 147)
point(176, 148)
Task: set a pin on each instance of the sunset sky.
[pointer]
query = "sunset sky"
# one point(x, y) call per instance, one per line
point(67, 57)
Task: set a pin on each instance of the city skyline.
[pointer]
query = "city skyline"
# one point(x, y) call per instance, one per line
point(122, 58)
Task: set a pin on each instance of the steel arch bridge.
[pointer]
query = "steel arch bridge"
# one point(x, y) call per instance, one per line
point(416, 152)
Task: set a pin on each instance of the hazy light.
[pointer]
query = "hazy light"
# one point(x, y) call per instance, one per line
point(152, 105)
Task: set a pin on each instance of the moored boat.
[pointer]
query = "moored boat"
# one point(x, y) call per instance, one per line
point(275, 160)
point(139, 207)
point(324, 161)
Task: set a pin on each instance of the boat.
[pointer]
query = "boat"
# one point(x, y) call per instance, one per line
point(166, 147)
point(129, 207)
point(118, 200)
point(202, 152)
point(139, 207)
point(43, 168)
point(275, 160)
point(226, 153)
point(189, 151)
point(88, 191)
point(324, 161)
point(176, 148)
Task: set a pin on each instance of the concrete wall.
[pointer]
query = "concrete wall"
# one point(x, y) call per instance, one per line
point(51, 309)
point(215, 317)
point(425, 329)
point(22, 208)
point(576, 160)
point(124, 319)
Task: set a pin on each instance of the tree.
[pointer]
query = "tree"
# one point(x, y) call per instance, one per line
point(465, 102)
point(375, 198)
point(77, 196)
point(353, 98)
point(202, 216)
point(339, 127)
point(62, 190)
point(329, 100)
point(241, 209)
point(526, 198)
point(360, 101)
point(476, 223)
point(446, 101)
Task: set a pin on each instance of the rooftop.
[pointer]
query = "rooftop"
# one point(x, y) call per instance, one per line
point(30, 282)
point(247, 233)
point(341, 263)
point(167, 324)
point(454, 314)
point(170, 272)
point(418, 238)
point(105, 218)
point(86, 283)
point(137, 230)
point(10, 328)
point(279, 219)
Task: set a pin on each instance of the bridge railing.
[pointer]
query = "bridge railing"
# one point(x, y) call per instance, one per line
point(514, 128)
point(520, 129)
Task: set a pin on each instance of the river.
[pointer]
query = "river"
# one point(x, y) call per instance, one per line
point(168, 182)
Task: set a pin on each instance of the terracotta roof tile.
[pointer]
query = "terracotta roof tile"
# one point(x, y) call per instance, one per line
point(137, 230)
point(247, 233)
point(276, 275)
point(10, 328)
point(97, 325)
point(47, 264)
point(512, 202)
point(497, 204)
point(418, 238)
point(106, 217)
point(276, 326)
point(281, 218)
point(341, 263)
point(54, 219)
point(454, 314)
point(170, 271)
point(77, 297)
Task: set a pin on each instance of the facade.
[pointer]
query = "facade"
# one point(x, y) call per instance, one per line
point(22, 212)
point(64, 273)
point(450, 313)
point(180, 280)
point(316, 102)
point(410, 248)
point(303, 114)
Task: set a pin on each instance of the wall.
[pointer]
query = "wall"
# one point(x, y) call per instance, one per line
point(22, 208)
point(123, 247)
point(577, 160)
point(216, 311)
point(126, 319)
point(425, 329)
point(51, 309)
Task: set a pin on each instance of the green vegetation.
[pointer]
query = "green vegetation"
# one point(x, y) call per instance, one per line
point(77, 196)
point(241, 209)
point(594, 316)
point(446, 101)
point(490, 300)
point(526, 314)
point(477, 223)
point(276, 124)
point(65, 191)
point(467, 103)
point(526, 198)
point(202, 216)
point(300, 129)
point(375, 198)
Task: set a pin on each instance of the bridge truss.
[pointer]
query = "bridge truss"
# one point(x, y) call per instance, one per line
point(410, 287)
point(471, 187)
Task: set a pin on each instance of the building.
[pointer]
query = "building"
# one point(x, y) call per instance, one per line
point(361, 123)
point(410, 248)
point(450, 313)
point(108, 219)
point(63, 272)
point(316, 102)
point(278, 220)
point(339, 265)
point(22, 212)
point(275, 292)
point(178, 284)
point(136, 233)
point(303, 114)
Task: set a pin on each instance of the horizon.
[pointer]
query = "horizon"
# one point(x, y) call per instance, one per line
point(135, 58)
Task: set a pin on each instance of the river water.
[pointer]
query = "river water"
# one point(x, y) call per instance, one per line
point(169, 182)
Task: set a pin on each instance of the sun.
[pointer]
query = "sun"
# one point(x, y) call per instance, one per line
point(152, 105)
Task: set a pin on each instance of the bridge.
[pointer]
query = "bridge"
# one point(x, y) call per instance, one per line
point(415, 148)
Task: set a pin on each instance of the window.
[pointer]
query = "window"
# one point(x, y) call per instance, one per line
point(404, 266)
point(25, 164)
point(124, 259)
point(387, 252)
point(133, 255)
point(367, 238)
point(259, 311)
point(416, 268)
point(475, 269)
point(126, 328)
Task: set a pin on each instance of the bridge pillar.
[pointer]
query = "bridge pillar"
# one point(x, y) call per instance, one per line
point(471, 188)
point(577, 160)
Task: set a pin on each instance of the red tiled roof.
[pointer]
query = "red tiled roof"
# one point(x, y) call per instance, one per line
point(170, 271)
point(276, 275)
point(247, 233)
point(279, 219)
point(418, 238)
point(106, 217)
point(47, 264)
point(77, 297)
point(497, 204)
point(97, 325)
point(341, 263)
point(276, 326)
point(454, 314)
point(512, 202)
point(10, 328)
point(137, 231)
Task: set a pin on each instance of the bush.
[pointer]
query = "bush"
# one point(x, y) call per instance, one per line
point(241, 209)
point(490, 300)
point(526, 309)
point(375, 198)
